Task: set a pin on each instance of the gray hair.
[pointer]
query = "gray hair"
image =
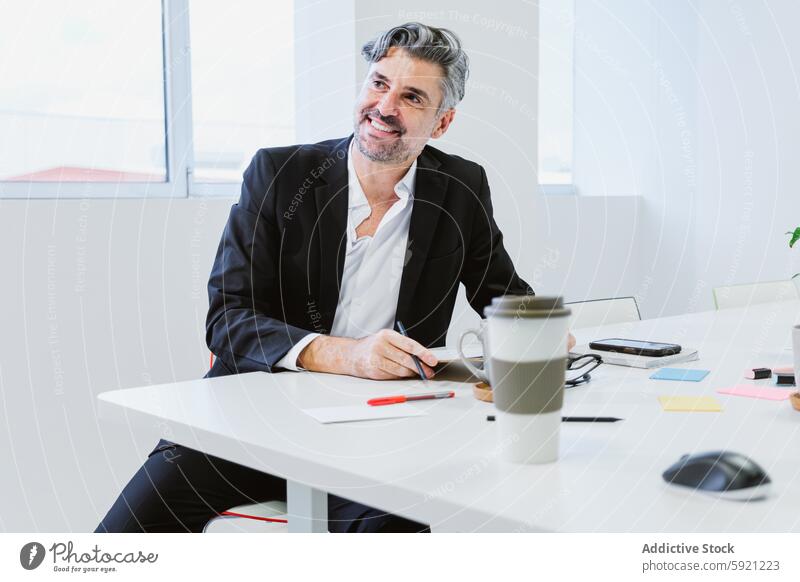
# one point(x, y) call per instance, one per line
point(435, 45)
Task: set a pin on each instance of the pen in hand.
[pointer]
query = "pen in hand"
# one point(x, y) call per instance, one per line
point(402, 329)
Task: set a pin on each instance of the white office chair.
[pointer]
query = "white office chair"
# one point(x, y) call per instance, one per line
point(267, 517)
point(730, 296)
point(596, 312)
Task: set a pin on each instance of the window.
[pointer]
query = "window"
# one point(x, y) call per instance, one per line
point(556, 70)
point(81, 92)
point(106, 99)
point(242, 83)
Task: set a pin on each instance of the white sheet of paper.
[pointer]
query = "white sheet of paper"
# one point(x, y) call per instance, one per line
point(330, 414)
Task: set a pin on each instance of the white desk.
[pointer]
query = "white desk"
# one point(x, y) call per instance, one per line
point(442, 468)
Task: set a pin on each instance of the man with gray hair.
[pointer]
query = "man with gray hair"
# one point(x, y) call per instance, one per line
point(328, 247)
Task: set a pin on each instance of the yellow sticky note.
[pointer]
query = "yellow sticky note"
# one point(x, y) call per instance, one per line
point(690, 404)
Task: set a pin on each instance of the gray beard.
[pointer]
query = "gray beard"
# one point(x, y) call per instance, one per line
point(394, 154)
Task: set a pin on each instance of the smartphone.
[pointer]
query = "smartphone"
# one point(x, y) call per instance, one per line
point(635, 347)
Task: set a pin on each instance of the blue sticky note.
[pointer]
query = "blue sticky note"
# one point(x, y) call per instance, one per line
point(680, 374)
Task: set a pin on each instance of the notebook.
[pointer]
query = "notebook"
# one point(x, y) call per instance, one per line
point(632, 361)
point(446, 355)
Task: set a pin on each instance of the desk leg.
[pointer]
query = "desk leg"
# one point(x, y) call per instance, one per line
point(307, 508)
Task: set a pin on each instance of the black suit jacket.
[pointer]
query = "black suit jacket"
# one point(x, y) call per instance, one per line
point(279, 265)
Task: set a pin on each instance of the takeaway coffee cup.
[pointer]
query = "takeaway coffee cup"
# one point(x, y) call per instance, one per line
point(527, 355)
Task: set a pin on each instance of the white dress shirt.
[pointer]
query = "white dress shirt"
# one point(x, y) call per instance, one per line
point(373, 265)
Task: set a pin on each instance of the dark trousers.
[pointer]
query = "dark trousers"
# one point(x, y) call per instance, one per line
point(180, 489)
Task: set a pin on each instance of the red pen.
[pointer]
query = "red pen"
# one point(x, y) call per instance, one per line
point(399, 399)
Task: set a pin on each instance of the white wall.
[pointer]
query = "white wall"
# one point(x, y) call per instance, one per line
point(97, 295)
point(694, 107)
point(749, 126)
point(635, 133)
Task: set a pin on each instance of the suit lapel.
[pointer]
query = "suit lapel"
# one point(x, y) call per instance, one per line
point(429, 192)
point(331, 199)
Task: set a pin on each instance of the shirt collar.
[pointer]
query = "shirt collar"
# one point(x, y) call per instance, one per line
point(356, 197)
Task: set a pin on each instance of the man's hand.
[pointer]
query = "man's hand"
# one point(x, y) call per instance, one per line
point(384, 355)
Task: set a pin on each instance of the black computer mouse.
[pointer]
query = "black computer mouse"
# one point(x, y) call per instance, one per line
point(723, 473)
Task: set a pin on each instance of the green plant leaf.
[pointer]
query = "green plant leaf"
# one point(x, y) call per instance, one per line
point(795, 236)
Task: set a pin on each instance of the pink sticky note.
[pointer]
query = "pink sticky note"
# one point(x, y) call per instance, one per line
point(750, 391)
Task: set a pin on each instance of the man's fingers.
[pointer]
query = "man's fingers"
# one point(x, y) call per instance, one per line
point(570, 341)
point(429, 372)
point(404, 359)
point(411, 346)
point(394, 369)
point(399, 357)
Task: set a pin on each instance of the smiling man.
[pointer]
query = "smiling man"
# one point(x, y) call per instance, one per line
point(328, 247)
